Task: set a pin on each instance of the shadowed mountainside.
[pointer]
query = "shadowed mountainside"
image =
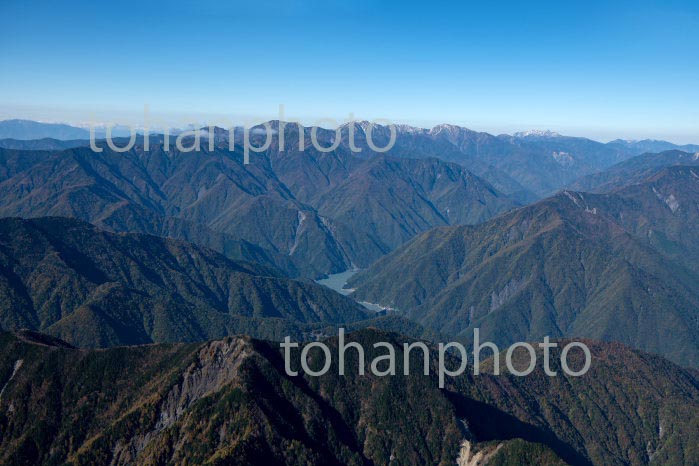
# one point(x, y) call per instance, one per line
point(230, 402)
point(93, 288)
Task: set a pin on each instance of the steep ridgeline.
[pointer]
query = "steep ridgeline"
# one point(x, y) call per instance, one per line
point(231, 402)
point(633, 171)
point(527, 166)
point(28, 130)
point(619, 266)
point(98, 289)
point(542, 162)
point(49, 144)
point(396, 199)
point(307, 213)
point(663, 210)
point(653, 145)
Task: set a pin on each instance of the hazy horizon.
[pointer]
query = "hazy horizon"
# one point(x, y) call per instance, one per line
point(308, 122)
point(594, 69)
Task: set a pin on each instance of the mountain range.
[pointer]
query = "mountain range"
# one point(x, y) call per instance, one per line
point(141, 293)
point(93, 288)
point(634, 170)
point(619, 266)
point(307, 213)
point(26, 130)
point(526, 165)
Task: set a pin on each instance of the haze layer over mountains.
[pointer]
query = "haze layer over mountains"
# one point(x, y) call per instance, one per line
point(523, 236)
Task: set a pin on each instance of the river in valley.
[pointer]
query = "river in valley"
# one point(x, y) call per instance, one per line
point(338, 281)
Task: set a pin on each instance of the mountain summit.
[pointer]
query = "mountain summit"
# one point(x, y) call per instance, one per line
point(535, 133)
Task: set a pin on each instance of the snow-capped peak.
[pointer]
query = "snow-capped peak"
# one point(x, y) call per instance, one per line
point(449, 129)
point(402, 128)
point(537, 133)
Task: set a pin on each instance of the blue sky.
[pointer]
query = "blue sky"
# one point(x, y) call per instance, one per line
point(597, 69)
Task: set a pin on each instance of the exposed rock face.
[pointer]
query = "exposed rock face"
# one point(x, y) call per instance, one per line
point(469, 458)
point(231, 402)
point(15, 368)
point(215, 367)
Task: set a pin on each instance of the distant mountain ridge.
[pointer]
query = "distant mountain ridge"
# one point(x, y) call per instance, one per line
point(536, 134)
point(32, 130)
point(28, 129)
point(41, 144)
point(618, 266)
point(526, 165)
point(283, 209)
point(653, 145)
point(634, 170)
